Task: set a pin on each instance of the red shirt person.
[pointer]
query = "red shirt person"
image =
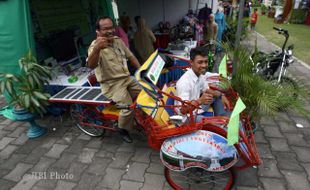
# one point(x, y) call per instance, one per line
point(254, 18)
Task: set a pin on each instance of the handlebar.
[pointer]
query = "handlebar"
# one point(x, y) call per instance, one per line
point(280, 30)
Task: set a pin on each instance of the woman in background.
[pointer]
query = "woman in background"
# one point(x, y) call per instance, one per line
point(221, 24)
point(144, 40)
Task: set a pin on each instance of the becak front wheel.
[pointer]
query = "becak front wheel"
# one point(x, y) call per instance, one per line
point(198, 178)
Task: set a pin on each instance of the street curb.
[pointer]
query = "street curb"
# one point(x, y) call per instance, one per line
point(300, 61)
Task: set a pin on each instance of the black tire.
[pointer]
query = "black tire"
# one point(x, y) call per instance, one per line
point(198, 178)
point(85, 114)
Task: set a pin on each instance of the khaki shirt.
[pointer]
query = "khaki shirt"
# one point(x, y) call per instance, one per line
point(112, 63)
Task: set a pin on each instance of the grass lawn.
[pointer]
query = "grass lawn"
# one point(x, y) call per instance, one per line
point(299, 36)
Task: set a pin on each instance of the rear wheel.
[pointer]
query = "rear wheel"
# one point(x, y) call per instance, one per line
point(88, 120)
point(198, 178)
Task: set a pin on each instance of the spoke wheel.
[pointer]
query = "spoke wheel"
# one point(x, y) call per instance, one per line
point(198, 178)
point(87, 118)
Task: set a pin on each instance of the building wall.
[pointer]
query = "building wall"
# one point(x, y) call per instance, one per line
point(155, 11)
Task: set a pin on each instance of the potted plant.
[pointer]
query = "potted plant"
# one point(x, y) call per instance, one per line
point(262, 97)
point(26, 91)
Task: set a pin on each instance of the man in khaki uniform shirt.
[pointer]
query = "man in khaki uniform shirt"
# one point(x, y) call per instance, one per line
point(108, 55)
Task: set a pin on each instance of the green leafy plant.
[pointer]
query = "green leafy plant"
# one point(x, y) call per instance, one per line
point(263, 9)
point(26, 89)
point(231, 30)
point(262, 97)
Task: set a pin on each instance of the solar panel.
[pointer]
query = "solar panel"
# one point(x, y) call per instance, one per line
point(79, 94)
point(85, 95)
point(91, 94)
point(63, 93)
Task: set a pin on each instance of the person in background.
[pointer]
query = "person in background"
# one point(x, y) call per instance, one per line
point(125, 21)
point(204, 13)
point(144, 40)
point(211, 32)
point(119, 31)
point(108, 56)
point(221, 23)
point(254, 19)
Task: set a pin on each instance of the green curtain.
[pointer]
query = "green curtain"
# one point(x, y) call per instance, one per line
point(16, 36)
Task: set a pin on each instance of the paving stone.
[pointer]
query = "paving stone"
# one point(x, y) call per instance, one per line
point(272, 131)
point(302, 120)
point(48, 143)
point(287, 127)
point(135, 172)
point(268, 168)
point(77, 146)
point(306, 133)
point(29, 146)
point(112, 179)
point(7, 151)
point(17, 173)
point(56, 150)
point(259, 137)
point(6, 122)
point(153, 181)
point(94, 143)
point(62, 184)
point(278, 144)
point(296, 180)
point(264, 151)
point(109, 147)
point(88, 181)
point(125, 185)
point(4, 172)
point(46, 183)
point(307, 168)
point(22, 139)
point(267, 121)
point(247, 177)
point(103, 153)
point(76, 169)
point(35, 155)
point(273, 184)
point(3, 133)
point(156, 168)
point(12, 162)
point(66, 139)
point(142, 155)
point(6, 184)
point(43, 164)
point(303, 154)
point(287, 161)
point(296, 139)
point(5, 141)
point(87, 155)
point(83, 136)
point(99, 165)
point(65, 160)
point(125, 147)
point(167, 186)
point(120, 160)
point(17, 132)
point(155, 158)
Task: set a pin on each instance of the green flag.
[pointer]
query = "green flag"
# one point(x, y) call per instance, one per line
point(223, 67)
point(233, 125)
